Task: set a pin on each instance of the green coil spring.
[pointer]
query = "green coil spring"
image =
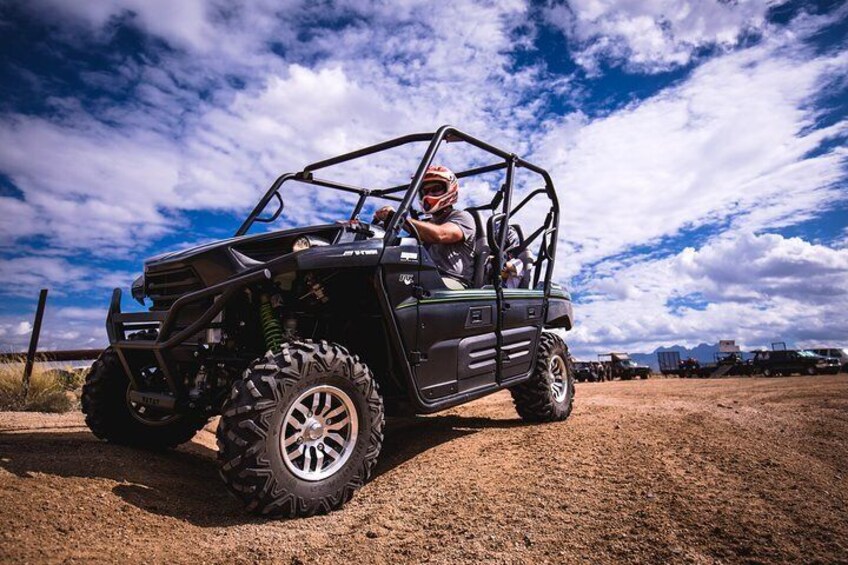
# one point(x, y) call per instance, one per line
point(272, 330)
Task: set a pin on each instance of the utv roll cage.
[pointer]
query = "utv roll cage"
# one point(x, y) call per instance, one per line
point(448, 134)
point(168, 335)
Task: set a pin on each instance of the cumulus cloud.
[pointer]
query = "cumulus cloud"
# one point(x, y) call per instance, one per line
point(734, 145)
point(241, 93)
point(654, 35)
point(116, 176)
point(752, 288)
point(21, 275)
point(56, 333)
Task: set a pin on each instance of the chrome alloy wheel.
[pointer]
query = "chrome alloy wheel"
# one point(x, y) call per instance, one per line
point(319, 433)
point(558, 377)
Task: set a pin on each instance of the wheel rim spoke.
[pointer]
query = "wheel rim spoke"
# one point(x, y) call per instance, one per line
point(303, 410)
point(294, 422)
point(558, 378)
point(331, 453)
point(335, 412)
point(338, 424)
point(319, 432)
point(336, 438)
point(307, 459)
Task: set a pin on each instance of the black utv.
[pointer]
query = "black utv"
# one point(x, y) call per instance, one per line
point(302, 340)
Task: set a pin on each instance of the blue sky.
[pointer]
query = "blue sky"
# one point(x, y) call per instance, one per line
point(698, 147)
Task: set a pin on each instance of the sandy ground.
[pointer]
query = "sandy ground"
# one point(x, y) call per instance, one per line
point(732, 470)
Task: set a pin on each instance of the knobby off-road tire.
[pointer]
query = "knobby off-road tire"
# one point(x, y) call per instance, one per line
point(548, 395)
point(110, 416)
point(304, 391)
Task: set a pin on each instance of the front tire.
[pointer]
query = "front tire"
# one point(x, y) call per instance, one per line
point(112, 417)
point(301, 431)
point(549, 393)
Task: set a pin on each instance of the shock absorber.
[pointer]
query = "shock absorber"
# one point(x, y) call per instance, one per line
point(272, 330)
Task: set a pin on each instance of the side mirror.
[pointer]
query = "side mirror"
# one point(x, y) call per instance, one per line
point(277, 212)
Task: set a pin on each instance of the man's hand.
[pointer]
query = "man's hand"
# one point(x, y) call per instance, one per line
point(383, 215)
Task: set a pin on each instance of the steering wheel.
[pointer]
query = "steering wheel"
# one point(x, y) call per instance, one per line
point(413, 231)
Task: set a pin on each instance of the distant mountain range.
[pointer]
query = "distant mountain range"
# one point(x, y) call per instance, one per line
point(705, 353)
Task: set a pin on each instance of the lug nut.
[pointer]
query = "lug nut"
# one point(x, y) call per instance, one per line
point(309, 414)
point(299, 440)
point(320, 447)
point(328, 421)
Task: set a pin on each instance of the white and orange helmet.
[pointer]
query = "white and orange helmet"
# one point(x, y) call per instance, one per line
point(433, 203)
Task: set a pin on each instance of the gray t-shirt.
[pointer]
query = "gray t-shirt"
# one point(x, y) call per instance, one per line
point(456, 258)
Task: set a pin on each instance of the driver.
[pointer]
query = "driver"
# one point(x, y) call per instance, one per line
point(449, 234)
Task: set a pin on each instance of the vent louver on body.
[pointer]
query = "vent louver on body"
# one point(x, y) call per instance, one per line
point(164, 287)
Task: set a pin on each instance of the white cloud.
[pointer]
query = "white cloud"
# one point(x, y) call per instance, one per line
point(56, 333)
point(653, 35)
point(22, 276)
point(188, 24)
point(752, 288)
point(727, 148)
point(112, 180)
point(730, 145)
point(767, 266)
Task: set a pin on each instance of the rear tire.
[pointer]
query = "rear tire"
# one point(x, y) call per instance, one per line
point(549, 393)
point(301, 431)
point(110, 417)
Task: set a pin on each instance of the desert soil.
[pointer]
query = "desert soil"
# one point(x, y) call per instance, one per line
point(731, 470)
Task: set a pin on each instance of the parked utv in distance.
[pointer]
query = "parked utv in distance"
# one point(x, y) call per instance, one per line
point(621, 366)
point(588, 372)
point(303, 339)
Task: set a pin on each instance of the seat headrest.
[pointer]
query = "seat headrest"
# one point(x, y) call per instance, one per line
point(478, 223)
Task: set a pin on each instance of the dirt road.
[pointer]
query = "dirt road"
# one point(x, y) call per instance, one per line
point(734, 470)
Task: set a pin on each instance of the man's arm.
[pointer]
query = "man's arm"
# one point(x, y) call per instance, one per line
point(445, 233)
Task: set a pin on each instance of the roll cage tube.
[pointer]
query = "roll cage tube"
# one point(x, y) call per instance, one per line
point(448, 134)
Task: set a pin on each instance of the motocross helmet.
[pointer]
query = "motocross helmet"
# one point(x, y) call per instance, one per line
point(439, 189)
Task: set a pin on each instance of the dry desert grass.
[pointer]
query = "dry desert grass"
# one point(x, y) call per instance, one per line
point(50, 390)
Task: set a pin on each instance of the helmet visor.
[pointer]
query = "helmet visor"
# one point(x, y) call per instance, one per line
point(434, 188)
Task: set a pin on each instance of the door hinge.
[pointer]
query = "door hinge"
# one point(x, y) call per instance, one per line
point(419, 292)
point(416, 358)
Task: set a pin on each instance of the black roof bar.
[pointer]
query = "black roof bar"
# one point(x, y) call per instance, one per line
point(527, 199)
point(468, 173)
point(333, 184)
point(412, 138)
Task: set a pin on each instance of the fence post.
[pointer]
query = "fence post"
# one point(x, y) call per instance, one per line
point(33, 340)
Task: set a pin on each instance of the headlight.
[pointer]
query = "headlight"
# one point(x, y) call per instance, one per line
point(138, 289)
point(307, 241)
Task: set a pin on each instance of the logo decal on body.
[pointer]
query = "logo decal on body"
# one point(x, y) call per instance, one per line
point(408, 256)
point(406, 279)
point(359, 252)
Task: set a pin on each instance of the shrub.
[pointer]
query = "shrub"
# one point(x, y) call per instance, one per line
point(48, 390)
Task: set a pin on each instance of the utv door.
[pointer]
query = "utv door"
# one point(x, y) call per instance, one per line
point(458, 339)
point(522, 326)
point(449, 335)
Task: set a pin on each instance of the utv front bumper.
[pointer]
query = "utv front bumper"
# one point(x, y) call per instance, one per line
point(156, 333)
